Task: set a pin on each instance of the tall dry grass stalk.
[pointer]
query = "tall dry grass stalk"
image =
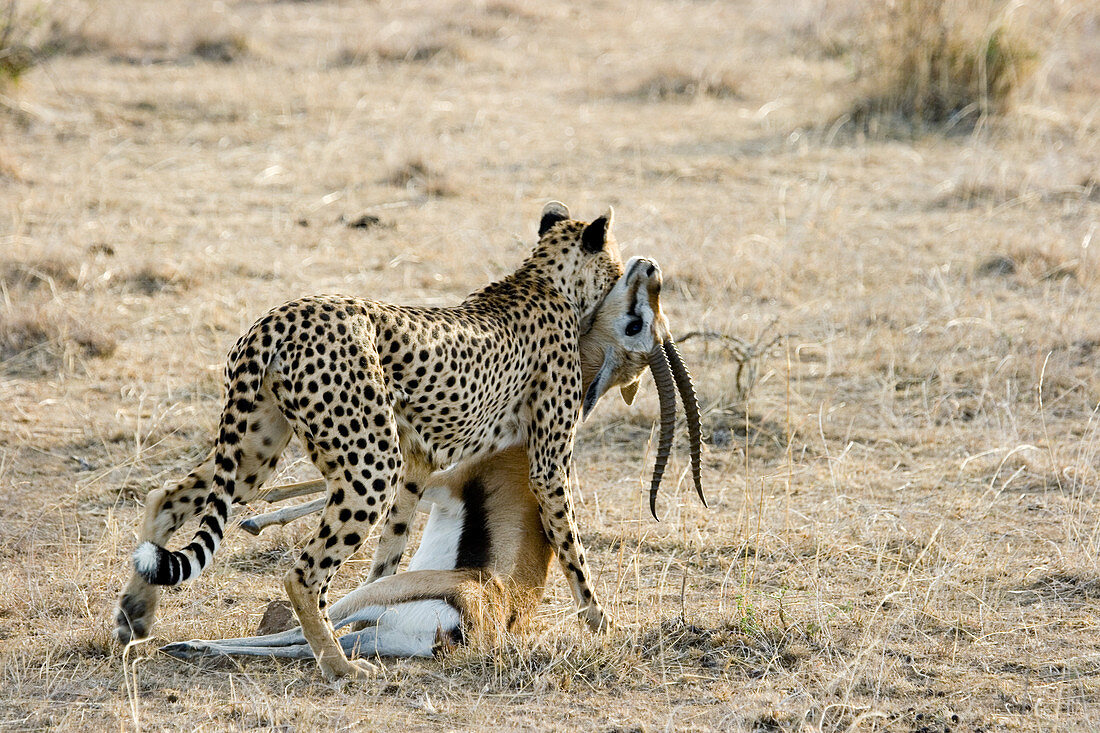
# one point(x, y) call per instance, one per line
point(937, 61)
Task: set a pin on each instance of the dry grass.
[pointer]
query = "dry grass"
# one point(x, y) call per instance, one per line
point(937, 61)
point(417, 177)
point(903, 523)
point(17, 55)
point(38, 334)
point(37, 343)
point(676, 84)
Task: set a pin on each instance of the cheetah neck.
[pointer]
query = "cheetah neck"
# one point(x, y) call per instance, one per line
point(533, 279)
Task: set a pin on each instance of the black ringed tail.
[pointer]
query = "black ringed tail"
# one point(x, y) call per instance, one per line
point(247, 364)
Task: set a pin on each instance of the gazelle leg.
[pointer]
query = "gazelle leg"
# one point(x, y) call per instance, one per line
point(255, 525)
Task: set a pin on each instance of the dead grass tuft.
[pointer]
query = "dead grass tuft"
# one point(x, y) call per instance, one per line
point(416, 176)
point(36, 342)
point(134, 33)
point(679, 85)
point(445, 48)
point(222, 49)
point(997, 265)
point(939, 61)
point(154, 279)
point(1034, 264)
point(9, 167)
point(420, 52)
point(672, 650)
point(363, 221)
point(54, 274)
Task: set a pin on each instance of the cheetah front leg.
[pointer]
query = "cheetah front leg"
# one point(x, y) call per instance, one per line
point(550, 449)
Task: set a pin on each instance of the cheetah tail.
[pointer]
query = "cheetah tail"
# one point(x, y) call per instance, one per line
point(159, 566)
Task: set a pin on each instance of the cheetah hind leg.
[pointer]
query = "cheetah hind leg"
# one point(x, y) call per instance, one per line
point(166, 510)
point(395, 532)
point(357, 498)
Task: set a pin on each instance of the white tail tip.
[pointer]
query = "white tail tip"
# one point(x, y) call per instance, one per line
point(145, 559)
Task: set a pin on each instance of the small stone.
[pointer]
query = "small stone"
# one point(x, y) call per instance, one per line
point(278, 616)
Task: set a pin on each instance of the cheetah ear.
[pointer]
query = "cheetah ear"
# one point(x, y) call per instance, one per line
point(552, 213)
point(595, 235)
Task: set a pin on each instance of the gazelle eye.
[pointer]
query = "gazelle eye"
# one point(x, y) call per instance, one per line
point(634, 327)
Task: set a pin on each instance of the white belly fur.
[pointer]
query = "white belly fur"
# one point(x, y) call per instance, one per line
point(438, 550)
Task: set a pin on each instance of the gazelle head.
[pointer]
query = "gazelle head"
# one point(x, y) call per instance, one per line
point(626, 334)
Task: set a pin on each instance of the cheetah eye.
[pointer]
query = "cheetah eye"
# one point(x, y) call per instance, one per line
point(634, 327)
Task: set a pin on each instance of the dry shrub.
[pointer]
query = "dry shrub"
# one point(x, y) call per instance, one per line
point(32, 32)
point(417, 176)
point(17, 51)
point(223, 49)
point(676, 84)
point(935, 61)
point(38, 340)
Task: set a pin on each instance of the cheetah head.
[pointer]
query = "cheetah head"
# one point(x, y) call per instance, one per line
point(582, 259)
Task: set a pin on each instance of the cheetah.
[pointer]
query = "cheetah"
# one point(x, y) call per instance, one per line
point(382, 396)
point(483, 560)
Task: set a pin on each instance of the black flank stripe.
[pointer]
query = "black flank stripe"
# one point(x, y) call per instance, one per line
point(473, 546)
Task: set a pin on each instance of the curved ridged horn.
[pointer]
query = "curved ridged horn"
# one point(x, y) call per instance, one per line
point(662, 377)
point(691, 408)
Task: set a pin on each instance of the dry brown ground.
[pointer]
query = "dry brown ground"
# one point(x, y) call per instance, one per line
point(904, 529)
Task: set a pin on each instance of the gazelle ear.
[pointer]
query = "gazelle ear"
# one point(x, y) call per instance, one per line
point(552, 213)
point(600, 383)
point(594, 237)
point(628, 391)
